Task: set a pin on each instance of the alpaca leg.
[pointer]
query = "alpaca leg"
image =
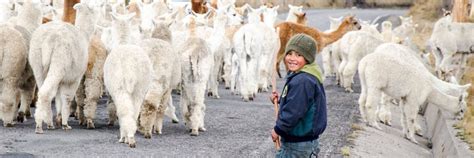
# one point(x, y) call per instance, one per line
point(163, 107)
point(148, 114)
point(80, 95)
point(67, 93)
point(93, 91)
point(348, 74)
point(326, 62)
point(202, 113)
point(373, 99)
point(194, 118)
point(383, 111)
point(340, 72)
point(27, 92)
point(43, 110)
point(171, 110)
point(128, 124)
point(411, 113)
point(403, 118)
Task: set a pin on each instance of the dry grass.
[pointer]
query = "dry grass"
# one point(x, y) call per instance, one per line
point(468, 122)
point(357, 127)
point(346, 151)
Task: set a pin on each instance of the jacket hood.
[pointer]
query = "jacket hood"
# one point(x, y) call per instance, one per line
point(314, 70)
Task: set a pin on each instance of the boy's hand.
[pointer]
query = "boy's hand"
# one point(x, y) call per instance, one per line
point(274, 97)
point(274, 135)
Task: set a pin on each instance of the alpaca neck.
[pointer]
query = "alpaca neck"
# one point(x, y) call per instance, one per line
point(69, 12)
point(443, 101)
point(331, 37)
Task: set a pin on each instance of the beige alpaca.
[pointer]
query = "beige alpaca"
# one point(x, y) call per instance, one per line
point(288, 29)
point(91, 88)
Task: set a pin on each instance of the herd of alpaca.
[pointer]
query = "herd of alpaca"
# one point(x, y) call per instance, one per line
point(138, 54)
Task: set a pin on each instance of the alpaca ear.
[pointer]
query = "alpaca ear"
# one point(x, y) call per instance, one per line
point(78, 6)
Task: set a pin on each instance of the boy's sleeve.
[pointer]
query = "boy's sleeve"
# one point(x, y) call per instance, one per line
point(298, 98)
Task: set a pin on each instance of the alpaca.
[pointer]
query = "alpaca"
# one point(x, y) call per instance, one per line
point(392, 72)
point(28, 19)
point(91, 86)
point(13, 63)
point(248, 47)
point(162, 57)
point(127, 77)
point(163, 32)
point(331, 57)
point(196, 63)
point(58, 57)
point(288, 29)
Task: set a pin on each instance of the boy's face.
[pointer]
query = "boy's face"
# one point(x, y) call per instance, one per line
point(294, 61)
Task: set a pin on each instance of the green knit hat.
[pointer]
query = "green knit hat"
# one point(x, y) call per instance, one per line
point(304, 45)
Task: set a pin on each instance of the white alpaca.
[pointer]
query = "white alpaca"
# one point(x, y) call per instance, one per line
point(363, 45)
point(248, 48)
point(13, 61)
point(292, 11)
point(271, 43)
point(127, 77)
point(6, 12)
point(163, 32)
point(219, 45)
point(162, 56)
point(390, 70)
point(330, 56)
point(196, 63)
point(449, 38)
point(58, 56)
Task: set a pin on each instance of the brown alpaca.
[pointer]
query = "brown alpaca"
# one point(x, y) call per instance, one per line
point(69, 12)
point(199, 6)
point(288, 29)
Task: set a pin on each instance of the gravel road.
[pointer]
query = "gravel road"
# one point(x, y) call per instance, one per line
point(234, 128)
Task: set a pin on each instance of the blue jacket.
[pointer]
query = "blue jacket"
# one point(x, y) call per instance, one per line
point(302, 113)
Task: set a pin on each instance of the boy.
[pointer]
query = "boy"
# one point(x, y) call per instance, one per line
point(302, 113)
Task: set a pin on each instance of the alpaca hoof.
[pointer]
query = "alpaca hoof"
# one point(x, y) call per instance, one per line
point(175, 121)
point(259, 90)
point(58, 120)
point(122, 140)
point(73, 114)
point(202, 129)
point(50, 127)
point(251, 98)
point(39, 130)
point(20, 117)
point(90, 124)
point(66, 127)
point(110, 123)
point(209, 94)
point(349, 90)
point(227, 87)
point(8, 124)
point(132, 145)
point(27, 114)
point(147, 135)
point(194, 132)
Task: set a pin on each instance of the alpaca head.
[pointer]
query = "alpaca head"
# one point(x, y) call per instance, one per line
point(386, 26)
point(351, 23)
point(295, 9)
